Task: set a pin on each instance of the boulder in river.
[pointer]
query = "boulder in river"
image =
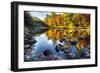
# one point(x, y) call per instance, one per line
point(47, 52)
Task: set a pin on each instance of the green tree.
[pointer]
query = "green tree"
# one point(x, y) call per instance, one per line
point(27, 19)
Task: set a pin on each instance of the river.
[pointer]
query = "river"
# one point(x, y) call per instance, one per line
point(46, 44)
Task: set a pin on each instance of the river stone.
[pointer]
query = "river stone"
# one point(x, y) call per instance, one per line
point(32, 41)
point(27, 46)
point(47, 52)
point(26, 33)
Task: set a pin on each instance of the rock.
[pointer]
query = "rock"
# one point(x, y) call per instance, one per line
point(47, 52)
point(61, 40)
point(27, 57)
point(27, 46)
point(26, 33)
point(71, 56)
point(67, 50)
point(73, 41)
point(29, 37)
point(85, 53)
point(32, 41)
point(56, 48)
point(51, 57)
point(25, 39)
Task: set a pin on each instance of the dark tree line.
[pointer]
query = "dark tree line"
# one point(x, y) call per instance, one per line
point(31, 21)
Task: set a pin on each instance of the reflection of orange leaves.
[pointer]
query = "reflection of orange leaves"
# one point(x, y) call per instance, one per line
point(82, 43)
point(57, 34)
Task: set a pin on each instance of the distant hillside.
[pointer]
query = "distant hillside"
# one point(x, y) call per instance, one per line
point(30, 21)
point(39, 24)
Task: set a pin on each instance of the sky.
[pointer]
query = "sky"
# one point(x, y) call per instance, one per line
point(38, 14)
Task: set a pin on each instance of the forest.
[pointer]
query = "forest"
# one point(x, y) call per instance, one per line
point(64, 20)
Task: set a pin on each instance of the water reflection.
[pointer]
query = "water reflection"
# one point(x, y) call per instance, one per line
point(57, 44)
